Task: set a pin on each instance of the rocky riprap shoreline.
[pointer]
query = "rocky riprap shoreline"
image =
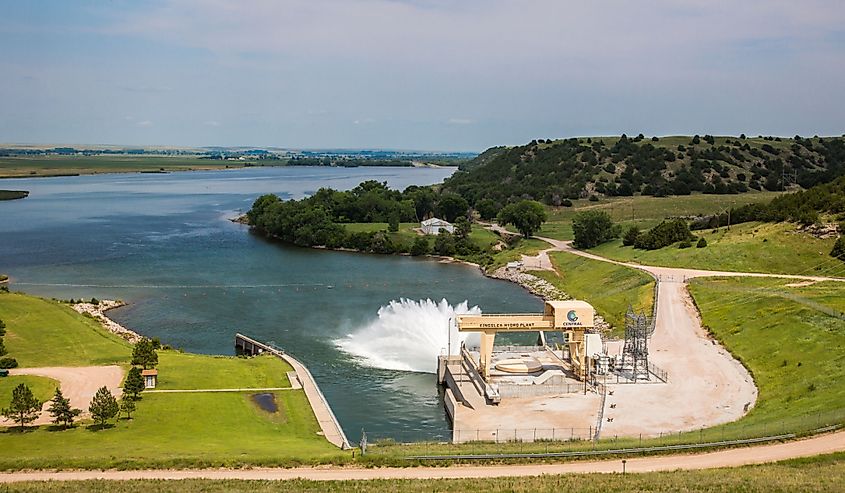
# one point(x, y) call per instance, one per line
point(98, 312)
point(542, 288)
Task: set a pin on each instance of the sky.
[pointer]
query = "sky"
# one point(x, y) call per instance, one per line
point(415, 74)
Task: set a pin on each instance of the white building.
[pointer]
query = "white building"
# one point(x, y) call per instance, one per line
point(433, 226)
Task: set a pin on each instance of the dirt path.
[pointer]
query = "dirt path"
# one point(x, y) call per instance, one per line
point(79, 384)
point(726, 458)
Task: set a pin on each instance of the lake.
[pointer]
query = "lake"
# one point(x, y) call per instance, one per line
point(164, 243)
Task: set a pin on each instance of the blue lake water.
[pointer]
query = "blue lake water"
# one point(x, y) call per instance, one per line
point(164, 243)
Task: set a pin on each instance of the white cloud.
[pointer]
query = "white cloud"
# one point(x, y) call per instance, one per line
point(460, 121)
point(144, 123)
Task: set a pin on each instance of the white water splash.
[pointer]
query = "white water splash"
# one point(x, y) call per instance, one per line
point(408, 335)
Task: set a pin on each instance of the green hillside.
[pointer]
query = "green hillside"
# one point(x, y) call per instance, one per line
point(560, 170)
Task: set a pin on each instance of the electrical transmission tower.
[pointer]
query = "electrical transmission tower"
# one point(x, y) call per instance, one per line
point(638, 328)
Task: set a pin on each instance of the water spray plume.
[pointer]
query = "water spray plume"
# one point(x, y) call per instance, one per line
point(408, 335)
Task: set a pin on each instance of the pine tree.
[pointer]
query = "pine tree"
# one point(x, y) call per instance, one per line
point(3, 351)
point(103, 406)
point(2, 328)
point(144, 354)
point(127, 406)
point(134, 383)
point(24, 407)
point(61, 411)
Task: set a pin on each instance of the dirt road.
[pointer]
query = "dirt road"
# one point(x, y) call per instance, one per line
point(79, 384)
point(706, 387)
point(726, 458)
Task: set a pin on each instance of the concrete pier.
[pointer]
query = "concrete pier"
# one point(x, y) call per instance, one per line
point(322, 411)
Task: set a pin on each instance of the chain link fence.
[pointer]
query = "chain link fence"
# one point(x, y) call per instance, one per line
point(405, 443)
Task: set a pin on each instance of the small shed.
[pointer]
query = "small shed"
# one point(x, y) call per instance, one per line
point(150, 378)
point(433, 226)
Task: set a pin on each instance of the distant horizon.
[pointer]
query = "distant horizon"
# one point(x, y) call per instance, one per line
point(82, 146)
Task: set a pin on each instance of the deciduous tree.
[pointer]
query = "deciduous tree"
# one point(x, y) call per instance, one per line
point(527, 216)
point(592, 228)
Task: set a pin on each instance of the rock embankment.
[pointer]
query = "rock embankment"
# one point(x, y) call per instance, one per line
point(98, 312)
point(542, 288)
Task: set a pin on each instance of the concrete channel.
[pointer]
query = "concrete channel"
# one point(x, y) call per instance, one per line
point(329, 424)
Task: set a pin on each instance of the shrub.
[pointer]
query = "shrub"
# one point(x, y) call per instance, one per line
point(444, 244)
point(701, 243)
point(420, 246)
point(566, 203)
point(838, 250)
point(630, 236)
point(684, 244)
point(664, 234)
point(594, 198)
point(7, 363)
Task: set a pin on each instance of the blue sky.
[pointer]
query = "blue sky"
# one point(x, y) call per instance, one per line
point(439, 75)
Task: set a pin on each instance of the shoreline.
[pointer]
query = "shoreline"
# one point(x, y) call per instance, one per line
point(536, 286)
point(98, 312)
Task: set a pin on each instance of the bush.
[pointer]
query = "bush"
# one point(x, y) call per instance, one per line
point(444, 244)
point(7, 363)
point(684, 244)
point(838, 250)
point(420, 246)
point(663, 235)
point(566, 203)
point(630, 236)
point(594, 198)
point(701, 243)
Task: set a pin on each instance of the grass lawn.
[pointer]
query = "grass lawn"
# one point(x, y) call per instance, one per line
point(42, 388)
point(747, 247)
point(815, 474)
point(646, 211)
point(189, 429)
point(405, 236)
point(194, 371)
point(86, 165)
point(46, 333)
point(621, 286)
point(180, 430)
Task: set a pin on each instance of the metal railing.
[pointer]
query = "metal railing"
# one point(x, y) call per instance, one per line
point(561, 442)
